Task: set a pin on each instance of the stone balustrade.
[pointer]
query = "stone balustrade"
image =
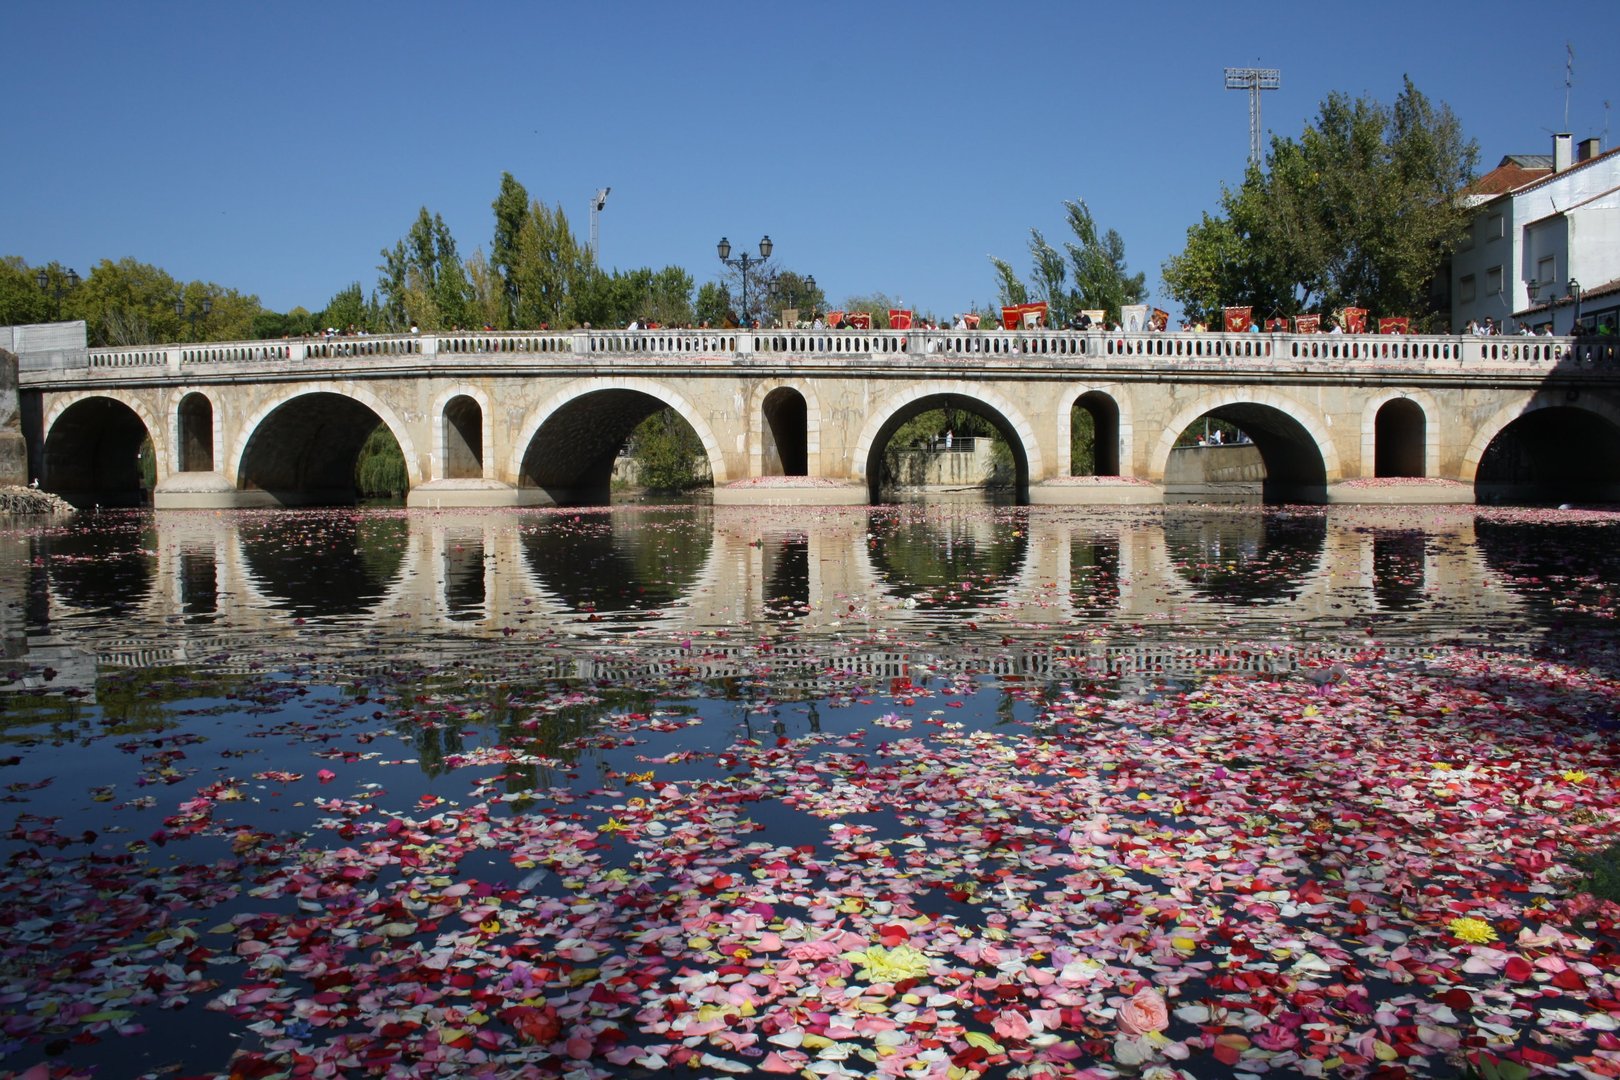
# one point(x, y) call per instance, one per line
point(1038, 346)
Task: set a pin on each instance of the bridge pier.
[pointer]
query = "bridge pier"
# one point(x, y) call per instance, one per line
point(447, 494)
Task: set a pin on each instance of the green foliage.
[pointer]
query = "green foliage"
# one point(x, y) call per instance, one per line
point(21, 300)
point(511, 208)
point(1096, 264)
point(346, 308)
point(379, 471)
point(666, 452)
point(551, 268)
point(1600, 873)
point(713, 302)
point(789, 289)
point(1360, 210)
point(422, 281)
point(1082, 442)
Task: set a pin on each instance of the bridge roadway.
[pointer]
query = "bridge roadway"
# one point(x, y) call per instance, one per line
point(493, 419)
point(1135, 592)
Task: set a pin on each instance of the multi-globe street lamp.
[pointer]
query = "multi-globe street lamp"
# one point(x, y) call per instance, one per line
point(743, 262)
point(201, 310)
point(53, 287)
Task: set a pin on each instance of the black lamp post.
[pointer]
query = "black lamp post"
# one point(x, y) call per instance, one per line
point(55, 288)
point(202, 311)
point(743, 262)
point(1575, 294)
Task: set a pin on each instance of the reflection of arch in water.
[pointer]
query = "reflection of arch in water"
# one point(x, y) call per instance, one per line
point(112, 574)
point(885, 418)
point(909, 559)
point(1397, 437)
point(1298, 454)
point(1236, 558)
point(92, 448)
point(676, 597)
point(463, 427)
point(197, 432)
point(345, 582)
point(784, 430)
point(1111, 425)
point(301, 449)
point(1561, 445)
point(568, 445)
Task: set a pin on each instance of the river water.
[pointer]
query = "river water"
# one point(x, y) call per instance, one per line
point(919, 790)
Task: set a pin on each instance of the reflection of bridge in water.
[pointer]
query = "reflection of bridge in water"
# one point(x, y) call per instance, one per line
point(638, 596)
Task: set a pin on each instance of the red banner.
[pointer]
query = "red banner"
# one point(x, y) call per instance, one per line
point(1307, 324)
point(860, 320)
point(1238, 319)
point(1395, 324)
point(899, 320)
point(972, 321)
point(1160, 319)
point(1355, 320)
point(1023, 316)
point(834, 318)
point(1278, 325)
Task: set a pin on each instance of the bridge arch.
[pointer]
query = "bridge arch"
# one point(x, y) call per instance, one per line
point(307, 454)
point(888, 414)
point(93, 444)
point(196, 426)
point(463, 432)
point(778, 424)
point(1112, 427)
point(584, 435)
point(1280, 428)
point(1567, 438)
point(1388, 451)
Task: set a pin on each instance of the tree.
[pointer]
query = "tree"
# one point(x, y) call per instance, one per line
point(346, 308)
point(1100, 278)
point(1009, 290)
point(713, 302)
point(21, 299)
point(422, 280)
point(789, 289)
point(511, 208)
point(550, 267)
point(1360, 210)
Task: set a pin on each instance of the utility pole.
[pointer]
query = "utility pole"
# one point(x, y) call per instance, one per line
point(1253, 80)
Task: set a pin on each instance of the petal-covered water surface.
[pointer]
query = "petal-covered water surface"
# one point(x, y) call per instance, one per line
point(910, 791)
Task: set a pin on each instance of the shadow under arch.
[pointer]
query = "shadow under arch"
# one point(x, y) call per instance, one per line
point(92, 453)
point(1012, 427)
point(619, 566)
point(303, 450)
point(360, 558)
point(1244, 557)
point(784, 433)
point(1291, 454)
point(1103, 411)
point(1554, 451)
point(569, 447)
point(461, 432)
point(194, 432)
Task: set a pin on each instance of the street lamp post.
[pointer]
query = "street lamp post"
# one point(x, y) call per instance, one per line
point(53, 287)
point(743, 262)
point(201, 311)
point(1575, 294)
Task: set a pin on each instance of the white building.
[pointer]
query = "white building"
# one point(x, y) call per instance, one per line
point(1544, 241)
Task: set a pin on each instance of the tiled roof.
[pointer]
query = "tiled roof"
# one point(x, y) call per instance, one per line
point(1506, 177)
point(1579, 165)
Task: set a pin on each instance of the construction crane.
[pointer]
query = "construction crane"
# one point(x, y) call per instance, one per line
point(598, 201)
point(1253, 80)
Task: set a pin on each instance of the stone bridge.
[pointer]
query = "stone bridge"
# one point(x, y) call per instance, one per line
point(513, 419)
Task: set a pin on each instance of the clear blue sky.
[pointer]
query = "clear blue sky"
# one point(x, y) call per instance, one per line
point(276, 148)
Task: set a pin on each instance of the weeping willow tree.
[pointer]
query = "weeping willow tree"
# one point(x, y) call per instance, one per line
point(379, 472)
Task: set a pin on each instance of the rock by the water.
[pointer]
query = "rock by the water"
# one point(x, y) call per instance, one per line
point(27, 500)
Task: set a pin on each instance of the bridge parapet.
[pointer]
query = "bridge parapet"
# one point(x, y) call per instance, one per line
point(1149, 349)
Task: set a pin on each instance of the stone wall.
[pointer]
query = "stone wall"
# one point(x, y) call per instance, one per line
point(13, 450)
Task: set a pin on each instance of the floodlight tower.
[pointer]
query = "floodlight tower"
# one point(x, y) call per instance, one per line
point(598, 201)
point(1253, 80)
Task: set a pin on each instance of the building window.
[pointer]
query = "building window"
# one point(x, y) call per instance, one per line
point(1493, 227)
point(1493, 281)
point(1465, 289)
point(1546, 270)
